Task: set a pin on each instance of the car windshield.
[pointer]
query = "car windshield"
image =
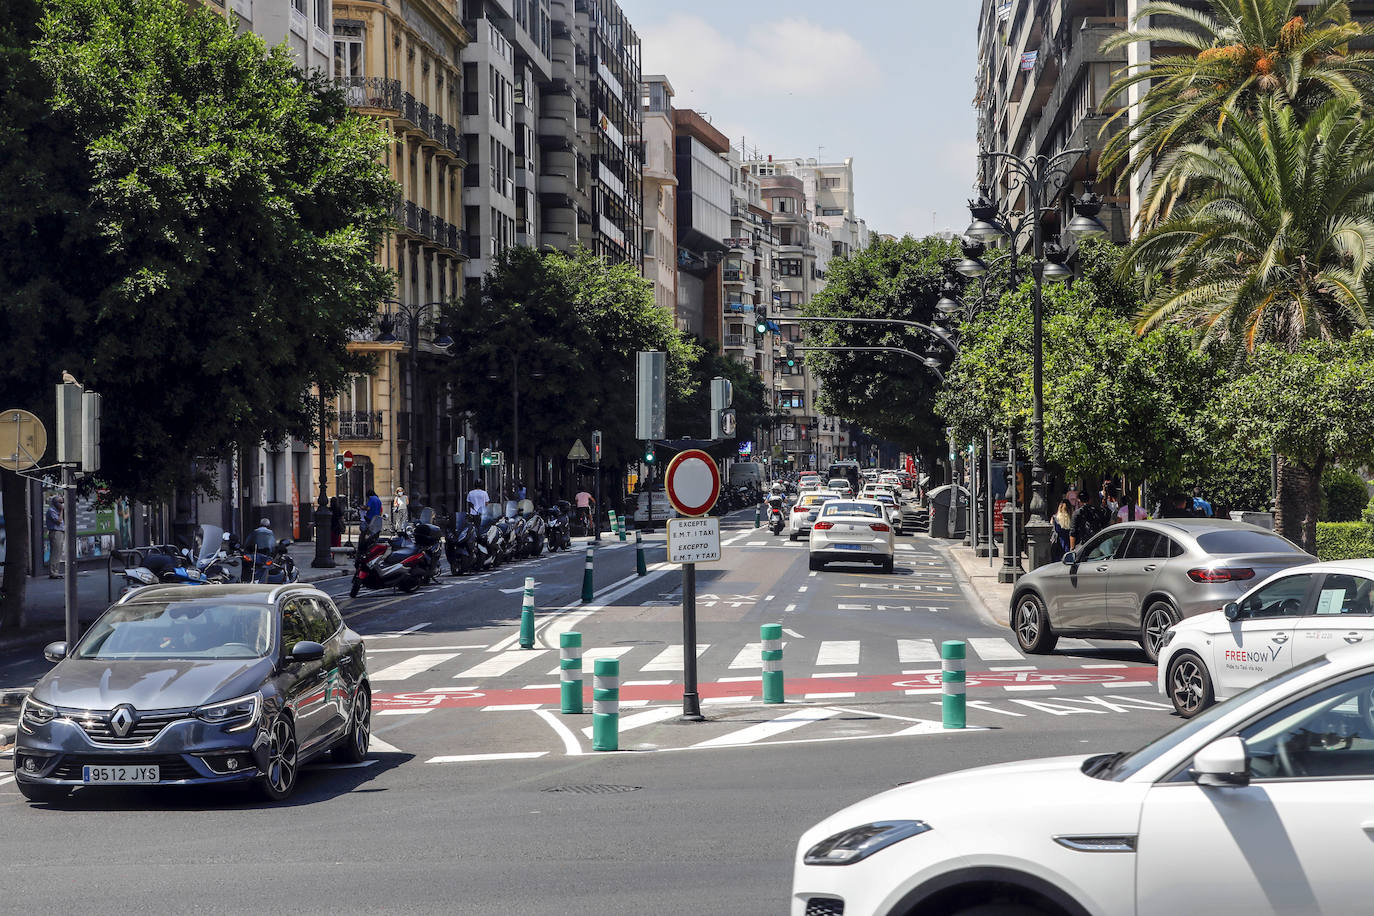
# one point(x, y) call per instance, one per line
point(839, 484)
point(1240, 540)
point(1127, 765)
point(184, 629)
point(837, 508)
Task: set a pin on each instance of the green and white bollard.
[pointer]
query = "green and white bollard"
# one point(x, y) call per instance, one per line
point(771, 634)
point(621, 530)
point(606, 704)
point(641, 568)
point(570, 672)
point(758, 516)
point(587, 578)
point(614, 521)
point(527, 616)
point(952, 681)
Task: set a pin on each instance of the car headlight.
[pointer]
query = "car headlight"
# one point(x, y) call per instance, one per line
point(858, 843)
point(242, 711)
point(33, 712)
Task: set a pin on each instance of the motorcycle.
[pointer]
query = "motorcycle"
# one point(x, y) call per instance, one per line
point(558, 523)
point(491, 536)
point(271, 566)
point(464, 551)
point(534, 529)
point(777, 517)
point(402, 562)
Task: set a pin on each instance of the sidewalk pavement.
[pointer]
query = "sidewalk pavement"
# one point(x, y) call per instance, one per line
point(45, 600)
point(979, 577)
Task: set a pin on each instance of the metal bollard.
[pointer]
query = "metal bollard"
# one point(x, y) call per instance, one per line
point(570, 672)
point(606, 704)
point(587, 578)
point(758, 516)
point(527, 616)
point(771, 634)
point(641, 568)
point(952, 681)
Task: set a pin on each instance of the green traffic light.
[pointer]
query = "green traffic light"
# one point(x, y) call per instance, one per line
point(649, 457)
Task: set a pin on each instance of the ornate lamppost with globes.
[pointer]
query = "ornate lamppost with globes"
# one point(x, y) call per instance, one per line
point(1043, 179)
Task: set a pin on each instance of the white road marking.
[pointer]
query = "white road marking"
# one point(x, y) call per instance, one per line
point(378, 746)
point(801, 588)
point(5, 779)
point(540, 687)
point(512, 707)
point(1026, 687)
point(372, 651)
point(988, 707)
point(994, 649)
point(735, 680)
point(413, 666)
point(835, 674)
point(478, 758)
point(393, 634)
point(768, 598)
point(1071, 642)
point(1135, 684)
point(787, 722)
point(1114, 665)
point(570, 742)
point(920, 691)
point(640, 719)
point(645, 683)
point(727, 701)
point(591, 655)
point(811, 575)
point(789, 609)
point(406, 712)
point(1012, 668)
point(911, 651)
point(501, 664)
point(838, 652)
point(671, 659)
point(829, 696)
point(793, 633)
point(756, 544)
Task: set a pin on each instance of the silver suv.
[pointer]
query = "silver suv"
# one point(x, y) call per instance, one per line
point(1135, 580)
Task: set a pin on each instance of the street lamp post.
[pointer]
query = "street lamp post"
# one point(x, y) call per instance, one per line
point(324, 518)
point(387, 334)
point(1042, 178)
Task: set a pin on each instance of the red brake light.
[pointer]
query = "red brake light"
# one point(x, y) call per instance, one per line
point(798, 508)
point(1221, 574)
point(823, 526)
point(879, 526)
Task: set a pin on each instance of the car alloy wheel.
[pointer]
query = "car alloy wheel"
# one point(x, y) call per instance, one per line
point(1032, 625)
point(280, 777)
point(353, 747)
point(1190, 690)
point(1158, 617)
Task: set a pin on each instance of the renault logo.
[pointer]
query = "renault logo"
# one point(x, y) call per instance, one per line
point(121, 720)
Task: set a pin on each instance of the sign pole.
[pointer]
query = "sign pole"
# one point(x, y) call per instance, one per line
point(691, 702)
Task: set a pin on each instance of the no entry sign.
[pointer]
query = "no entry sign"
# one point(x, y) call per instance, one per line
point(692, 482)
point(348, 459)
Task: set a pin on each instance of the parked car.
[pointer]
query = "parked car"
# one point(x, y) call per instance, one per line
point(180, 685)
point(1135, 580)
point(1293, 616)
point(1260, 805)
point(852, 531)
point(804, 512)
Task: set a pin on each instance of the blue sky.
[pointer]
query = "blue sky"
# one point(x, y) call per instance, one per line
point(889, 82)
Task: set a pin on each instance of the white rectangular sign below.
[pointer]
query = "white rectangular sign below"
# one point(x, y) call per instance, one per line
point(693, 540)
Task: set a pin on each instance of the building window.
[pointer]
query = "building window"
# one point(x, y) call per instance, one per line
point(791, 399)
point(784, 205)
point(830, 182)
point(348, 59)
point(648, 243)
point(322, 8)
point(832, 211)
point(789, 267)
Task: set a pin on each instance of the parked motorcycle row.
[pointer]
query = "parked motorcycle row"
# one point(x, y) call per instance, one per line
point(469, 541)
point(734, 498)
point(219, 559)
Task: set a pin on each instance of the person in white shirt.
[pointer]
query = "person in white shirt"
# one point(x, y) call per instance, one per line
point(478, 499)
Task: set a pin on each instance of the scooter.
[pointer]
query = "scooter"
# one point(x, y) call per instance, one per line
point(464, 551)
point(777, 518)
point(399, 563)
point(534, 529)
point(557, 520)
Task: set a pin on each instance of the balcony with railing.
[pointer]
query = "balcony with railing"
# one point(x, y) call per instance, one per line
point(360, 424)
point(372, 92)
point(734, 275)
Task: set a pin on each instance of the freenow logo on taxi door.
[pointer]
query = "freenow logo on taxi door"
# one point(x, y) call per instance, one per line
point(1267, 654)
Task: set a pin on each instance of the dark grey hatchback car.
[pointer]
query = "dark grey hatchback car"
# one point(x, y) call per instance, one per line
point(186, 685)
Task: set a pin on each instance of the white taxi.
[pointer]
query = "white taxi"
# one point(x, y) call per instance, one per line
point(852, 531)
point(1293, 616)
point(805, 510)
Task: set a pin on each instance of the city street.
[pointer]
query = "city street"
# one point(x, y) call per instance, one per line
point(479, 796)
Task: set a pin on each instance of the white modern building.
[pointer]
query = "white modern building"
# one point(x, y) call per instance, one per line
point(304, 26)
point(660, 192)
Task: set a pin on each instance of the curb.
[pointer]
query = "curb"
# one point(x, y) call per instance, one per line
point(974, 599)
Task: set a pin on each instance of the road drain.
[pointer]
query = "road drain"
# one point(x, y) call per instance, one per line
point(593, 789)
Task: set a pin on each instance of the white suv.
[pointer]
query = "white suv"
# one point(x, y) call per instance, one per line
point(1260, 805)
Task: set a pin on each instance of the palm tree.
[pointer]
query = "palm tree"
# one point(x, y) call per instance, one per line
point(1232, 54)
point(1272, 232)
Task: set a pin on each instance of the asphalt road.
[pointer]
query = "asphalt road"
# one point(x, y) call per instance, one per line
point(481, 797)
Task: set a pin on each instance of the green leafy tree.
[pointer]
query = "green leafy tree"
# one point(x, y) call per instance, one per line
point(689, 414)
point(1344, 495)
point(1231, 54)
point(1274, 235)
point(188, 226)
point(890, 395)
point(1314, 406)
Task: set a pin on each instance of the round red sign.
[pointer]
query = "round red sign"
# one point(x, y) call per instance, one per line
point(348, 459)
point(692, 482)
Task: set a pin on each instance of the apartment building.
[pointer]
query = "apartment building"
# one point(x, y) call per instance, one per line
point(703, 223)
point(401, 63)
point(590, 132)
point(659, 249)
point(829, 188)
point(505, 66)
point(304, 26)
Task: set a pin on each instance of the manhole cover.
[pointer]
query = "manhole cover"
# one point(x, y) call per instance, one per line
point(640, 642)
point(593, 789)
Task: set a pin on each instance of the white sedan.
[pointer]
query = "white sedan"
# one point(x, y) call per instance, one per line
point(805, 510)
point(1257, 806)
point(1293, 616)
point(852, 531)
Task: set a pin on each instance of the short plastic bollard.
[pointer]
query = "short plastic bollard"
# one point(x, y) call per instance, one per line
point(570, 672)
point(758, 517)
point(771, 634)
point(606, 704)
point(952, 681)
point(527, 616)
point(614, 518)
point(641, 568)
point(621, 530)
point(587, 589)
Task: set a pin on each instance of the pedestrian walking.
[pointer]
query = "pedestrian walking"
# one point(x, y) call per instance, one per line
point(1201, 507)
point(478, 498)
point(400, 509)
point(56, 531)
point(1109, 501)
point(1087, 520)
point(374, 508)
point(1062, 523)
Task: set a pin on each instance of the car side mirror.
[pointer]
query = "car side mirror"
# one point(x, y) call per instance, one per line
point(307, 651)
point(55, 651)
point(1070, 558)
point(1222, 763)
point(1232, 611)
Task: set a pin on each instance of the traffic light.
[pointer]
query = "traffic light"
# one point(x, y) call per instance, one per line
point(791, 356)
point(761, 325)
point(596, 445)
point(648, 454)
point(338, 464)
point(487, 458)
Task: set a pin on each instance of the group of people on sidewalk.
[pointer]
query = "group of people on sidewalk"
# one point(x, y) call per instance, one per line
point(1083, 514)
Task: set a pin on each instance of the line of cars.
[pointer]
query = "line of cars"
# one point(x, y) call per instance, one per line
point(842, 527)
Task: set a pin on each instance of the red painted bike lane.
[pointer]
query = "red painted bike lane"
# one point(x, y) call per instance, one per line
point(924, 682)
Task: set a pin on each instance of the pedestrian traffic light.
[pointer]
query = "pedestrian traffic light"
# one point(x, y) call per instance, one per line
point(486, 458)
point(648, 454)
point(790, 356)
point(338, 464)
point(761, 326)
point(596, 445)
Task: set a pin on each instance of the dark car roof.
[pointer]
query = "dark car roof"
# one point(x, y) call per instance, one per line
point(245, 592)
